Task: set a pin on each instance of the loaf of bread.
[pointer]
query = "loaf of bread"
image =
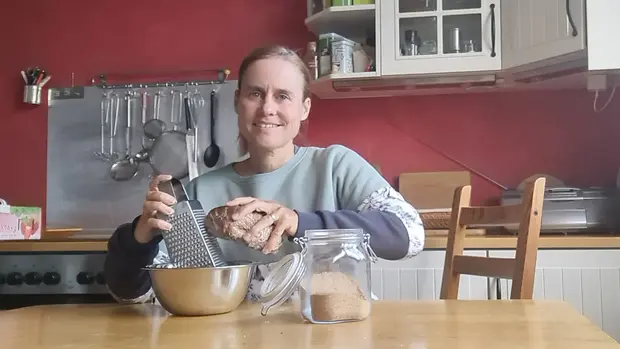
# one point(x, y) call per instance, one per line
point(219, 223)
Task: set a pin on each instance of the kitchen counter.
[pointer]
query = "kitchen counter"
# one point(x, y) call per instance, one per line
point(55, 245)
point(432, 243)
point(411, 325)
point(545, 242)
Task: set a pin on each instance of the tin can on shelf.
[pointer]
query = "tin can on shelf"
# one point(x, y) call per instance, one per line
point(335, 54)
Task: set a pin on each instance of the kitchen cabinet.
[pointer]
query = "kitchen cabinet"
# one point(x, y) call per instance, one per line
point(353, 21)
point(455, 46)
point(589, 280)
point(440, 36)
point(535, 32)
point(358, 22)
point(602, 26)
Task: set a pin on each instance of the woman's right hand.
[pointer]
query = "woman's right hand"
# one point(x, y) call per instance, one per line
point(156, 201)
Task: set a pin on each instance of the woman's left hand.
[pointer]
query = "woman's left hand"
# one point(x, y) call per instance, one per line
point(285, 220)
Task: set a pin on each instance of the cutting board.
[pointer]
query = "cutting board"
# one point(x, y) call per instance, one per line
point(431, 190)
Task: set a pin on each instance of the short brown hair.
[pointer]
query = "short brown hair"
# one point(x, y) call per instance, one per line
point(276, 51)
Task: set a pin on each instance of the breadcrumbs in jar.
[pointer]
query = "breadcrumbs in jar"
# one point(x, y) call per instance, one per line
point(335, 296)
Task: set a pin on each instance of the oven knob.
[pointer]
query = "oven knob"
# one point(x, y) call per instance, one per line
point(2, 279)
point(51, 278)
point(14, 279)
point(85, 278)
point(100, 278)
point(33, 278)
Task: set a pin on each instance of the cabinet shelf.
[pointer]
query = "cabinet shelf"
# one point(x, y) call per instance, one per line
point(345, 76)
point(348, 21)
point(442, 13)
point(323, 86)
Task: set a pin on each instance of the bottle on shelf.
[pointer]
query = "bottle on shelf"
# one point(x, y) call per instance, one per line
point(311, 60)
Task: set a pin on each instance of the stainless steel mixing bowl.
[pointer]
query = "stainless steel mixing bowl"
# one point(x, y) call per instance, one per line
point(201, 291)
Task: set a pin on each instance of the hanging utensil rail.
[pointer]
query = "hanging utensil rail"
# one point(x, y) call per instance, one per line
point(102, 79)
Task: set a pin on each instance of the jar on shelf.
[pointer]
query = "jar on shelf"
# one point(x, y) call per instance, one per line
point(331, 273)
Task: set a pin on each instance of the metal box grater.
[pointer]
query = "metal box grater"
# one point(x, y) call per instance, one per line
point(188, 242)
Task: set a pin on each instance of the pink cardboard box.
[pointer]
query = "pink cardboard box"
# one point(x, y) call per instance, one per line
point(19, 223)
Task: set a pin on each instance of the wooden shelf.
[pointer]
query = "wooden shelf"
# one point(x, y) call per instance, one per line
point(348, 21)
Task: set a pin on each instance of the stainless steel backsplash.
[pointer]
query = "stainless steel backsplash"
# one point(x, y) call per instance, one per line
point(80, 191)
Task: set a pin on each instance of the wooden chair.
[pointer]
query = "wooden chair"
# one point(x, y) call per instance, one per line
point(528, 214)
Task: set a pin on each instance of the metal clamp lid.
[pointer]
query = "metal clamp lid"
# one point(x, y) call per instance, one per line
point(282, 282)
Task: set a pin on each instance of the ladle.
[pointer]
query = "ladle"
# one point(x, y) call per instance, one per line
point(212, 154)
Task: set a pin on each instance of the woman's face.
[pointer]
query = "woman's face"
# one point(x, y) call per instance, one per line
point(270, 104)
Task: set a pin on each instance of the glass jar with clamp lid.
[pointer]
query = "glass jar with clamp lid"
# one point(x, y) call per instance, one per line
point(332, 274)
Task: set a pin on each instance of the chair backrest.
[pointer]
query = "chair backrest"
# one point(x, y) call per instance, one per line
point(528, 214)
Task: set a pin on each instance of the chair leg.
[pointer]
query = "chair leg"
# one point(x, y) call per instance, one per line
point(456, 243)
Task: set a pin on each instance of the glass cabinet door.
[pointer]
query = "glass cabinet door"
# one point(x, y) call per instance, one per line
point(435, 36)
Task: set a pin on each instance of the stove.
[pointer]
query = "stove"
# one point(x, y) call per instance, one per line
point(52, 277)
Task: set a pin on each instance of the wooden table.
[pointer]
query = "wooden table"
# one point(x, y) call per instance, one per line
point(411, 325)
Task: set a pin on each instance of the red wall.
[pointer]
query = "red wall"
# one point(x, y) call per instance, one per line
point(505, 136)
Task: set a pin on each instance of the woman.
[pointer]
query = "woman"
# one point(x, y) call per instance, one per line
point(300, 188)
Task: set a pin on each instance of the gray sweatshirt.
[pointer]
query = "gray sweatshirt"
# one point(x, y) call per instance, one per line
point(330, 188)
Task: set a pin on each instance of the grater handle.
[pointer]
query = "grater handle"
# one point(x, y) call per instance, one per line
point(179, 190)
point(175, 188)
point(167, 188)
